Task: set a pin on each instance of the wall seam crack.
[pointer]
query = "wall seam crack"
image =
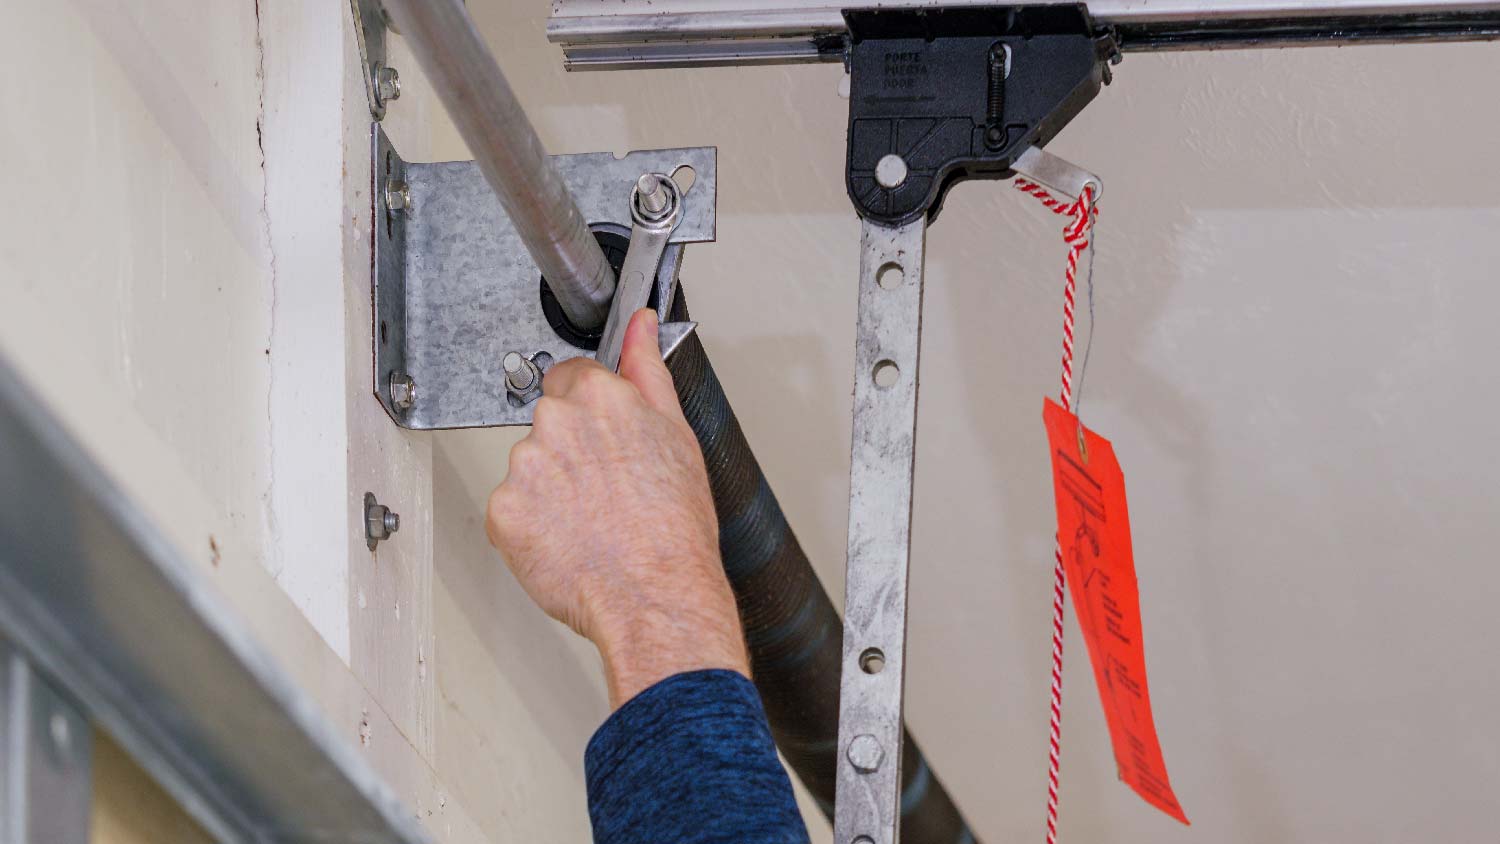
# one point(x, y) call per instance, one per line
point(273, 557)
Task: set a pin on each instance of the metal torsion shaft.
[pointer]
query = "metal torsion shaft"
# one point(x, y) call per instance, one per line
point(506, 147)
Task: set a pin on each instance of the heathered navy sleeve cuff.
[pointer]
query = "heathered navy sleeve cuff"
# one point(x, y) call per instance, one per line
point(690, 761)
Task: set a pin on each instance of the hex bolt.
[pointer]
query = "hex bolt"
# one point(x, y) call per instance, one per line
point(387, 84)
point(380, 521)
point(890, 171)
point(653, 196)
point(403, 391)
point(519, 372)
point(865, 754)
point(397, 195)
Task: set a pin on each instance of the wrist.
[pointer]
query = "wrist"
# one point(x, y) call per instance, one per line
point(645, 640)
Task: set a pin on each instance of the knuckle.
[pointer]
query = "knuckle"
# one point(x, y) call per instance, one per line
point(497, 513)
point(544, 414)
point(563, 377)
point(593, 379)
point(524, 455)
point(603, 386)
point(566, 367)
point(527, 463)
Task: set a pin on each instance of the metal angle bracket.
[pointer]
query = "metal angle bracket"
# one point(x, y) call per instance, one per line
point(938, 96)
point(455, 290)
point(381, 82)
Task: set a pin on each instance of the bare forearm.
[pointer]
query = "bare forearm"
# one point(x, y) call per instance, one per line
point(608, 522)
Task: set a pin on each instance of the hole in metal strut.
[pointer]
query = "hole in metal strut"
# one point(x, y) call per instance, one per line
point(890, 276)
point(685, 176)
point(872, 660)
point(886, 374)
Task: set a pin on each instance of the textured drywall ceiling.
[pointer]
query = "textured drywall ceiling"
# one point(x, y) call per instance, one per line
point(1299, 264)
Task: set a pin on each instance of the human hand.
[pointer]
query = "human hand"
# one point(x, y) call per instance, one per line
point(607, 521)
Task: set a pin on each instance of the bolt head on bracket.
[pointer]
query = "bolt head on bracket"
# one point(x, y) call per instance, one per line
point(403, 391)
point(381, 85)
point(921, 90)
point(865, 754)
point(387, 84)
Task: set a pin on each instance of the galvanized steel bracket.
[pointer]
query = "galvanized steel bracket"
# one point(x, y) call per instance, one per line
point(369, 31)
point(454, 288)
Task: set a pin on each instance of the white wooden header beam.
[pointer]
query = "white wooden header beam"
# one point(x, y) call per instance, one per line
point(607, 34)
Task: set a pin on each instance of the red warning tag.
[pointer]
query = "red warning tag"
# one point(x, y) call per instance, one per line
point(1093, 530)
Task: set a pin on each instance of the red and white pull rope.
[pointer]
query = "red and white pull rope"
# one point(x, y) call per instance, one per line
point(1076, 235)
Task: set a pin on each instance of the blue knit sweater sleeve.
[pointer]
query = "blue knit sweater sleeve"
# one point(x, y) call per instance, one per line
point(690, 761)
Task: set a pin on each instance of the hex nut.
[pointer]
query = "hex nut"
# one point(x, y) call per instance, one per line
point(387, 84)
point(654, 199)
point(380, 521)
point(397, 195)
point(403, 391)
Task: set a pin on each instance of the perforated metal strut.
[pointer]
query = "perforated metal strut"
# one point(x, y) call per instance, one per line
point(959, 93)
point(937, 96)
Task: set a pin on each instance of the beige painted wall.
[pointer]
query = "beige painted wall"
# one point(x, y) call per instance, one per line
point(1298, 267)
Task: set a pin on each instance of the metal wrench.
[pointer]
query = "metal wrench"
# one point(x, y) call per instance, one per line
point(655, 208)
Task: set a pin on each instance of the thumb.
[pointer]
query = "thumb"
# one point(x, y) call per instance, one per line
point(641, 364)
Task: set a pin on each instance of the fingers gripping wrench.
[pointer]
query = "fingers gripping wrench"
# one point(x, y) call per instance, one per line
point(655, 209)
